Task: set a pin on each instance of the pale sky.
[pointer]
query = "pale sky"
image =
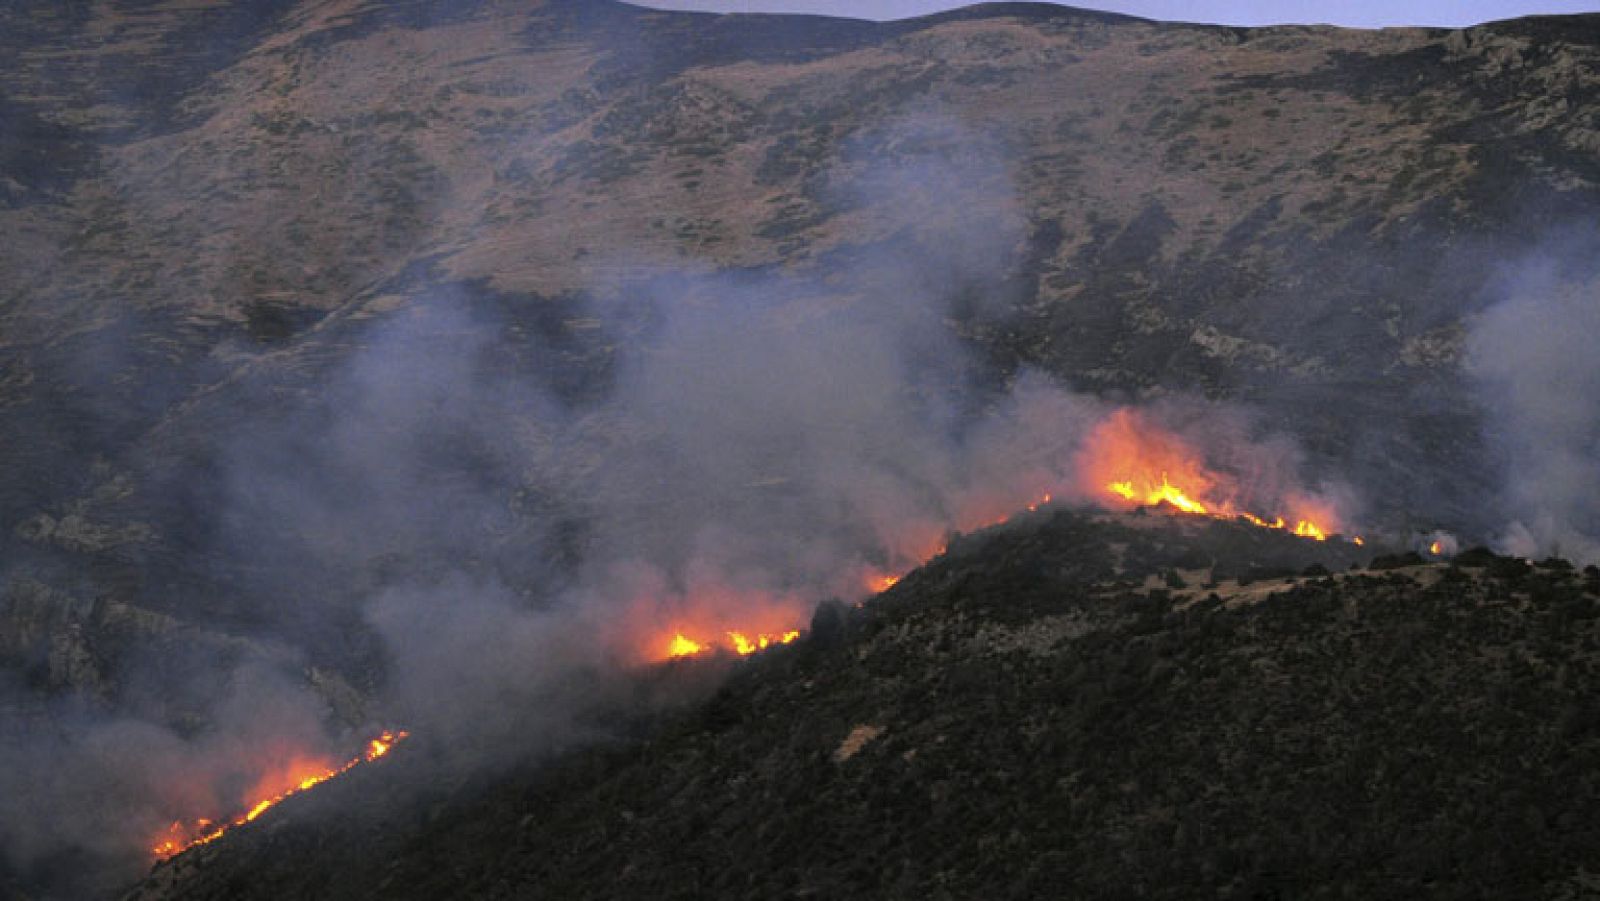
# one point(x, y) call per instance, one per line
point(1351, 13)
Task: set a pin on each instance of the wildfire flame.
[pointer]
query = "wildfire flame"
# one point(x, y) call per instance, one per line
point(1126, 461)
point(741, 643)
point(1156, 495)
point(683, 646)
point(181, 836)
point(1132, 462)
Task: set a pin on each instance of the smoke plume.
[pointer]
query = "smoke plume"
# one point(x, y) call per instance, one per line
point(488, 510)
point(1532, 354)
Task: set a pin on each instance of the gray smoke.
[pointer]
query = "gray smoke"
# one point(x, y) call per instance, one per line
point(488, 511)
point(85, 794)
point(1533, 356)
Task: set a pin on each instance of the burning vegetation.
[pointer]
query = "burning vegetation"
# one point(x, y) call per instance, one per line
point(681, 645)
point(1129, 461)
point(1125, 462)
point(297, 777)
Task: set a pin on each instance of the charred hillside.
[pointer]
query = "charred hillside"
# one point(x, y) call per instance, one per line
point(1070, 705)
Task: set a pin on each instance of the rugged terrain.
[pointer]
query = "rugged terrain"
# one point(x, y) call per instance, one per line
point(219, 216)
point(206, 202)
point(1067, 706)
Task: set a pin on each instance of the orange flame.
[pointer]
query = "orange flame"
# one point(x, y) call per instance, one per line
point(180, 837)
point(746, 645)
point(682, 646)
point(1126, 460)
point(1436, 549)
point(741, 643)
point(1307, 529)
point(1131, 462)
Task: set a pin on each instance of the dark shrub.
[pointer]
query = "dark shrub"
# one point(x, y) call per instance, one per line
point(1509, 568)
point(1396, 561)
point(827, 624)
point(1475, 558)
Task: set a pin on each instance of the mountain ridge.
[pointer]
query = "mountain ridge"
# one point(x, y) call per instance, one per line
point(246, 239)
point(1051, 707)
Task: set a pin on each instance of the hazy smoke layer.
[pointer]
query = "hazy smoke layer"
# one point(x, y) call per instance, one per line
point(1534, 356)
point(489, 510)
point(84, 795)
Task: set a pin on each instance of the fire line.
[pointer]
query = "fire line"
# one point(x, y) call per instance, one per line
point(1127, 461)
point(180, 837)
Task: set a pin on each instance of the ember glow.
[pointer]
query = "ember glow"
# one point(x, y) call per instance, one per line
point(299, 777)
point(1128, 462)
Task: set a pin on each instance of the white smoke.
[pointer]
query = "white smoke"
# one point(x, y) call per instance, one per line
point(1533, 354)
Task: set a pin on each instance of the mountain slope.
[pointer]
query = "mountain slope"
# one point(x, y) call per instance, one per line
point(1029, 716)
point(305, 305)
point(1304, 219)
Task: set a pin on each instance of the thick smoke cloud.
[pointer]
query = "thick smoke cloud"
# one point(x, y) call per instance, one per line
point(488, 511)
point(1533, 355)
point(768, 440)
point(84, 795)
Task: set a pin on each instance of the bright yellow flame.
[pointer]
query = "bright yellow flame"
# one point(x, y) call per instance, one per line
point(683, 646)
point(1155, 495)
point(1307, 529)
point(744, 644)
point(1169, 493)
point(1139, 462)
point(741, 643)
point(1436, 549)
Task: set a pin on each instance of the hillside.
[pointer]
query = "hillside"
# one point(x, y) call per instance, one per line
point(431, 364)
point(1031, 716)
point(1304, 219)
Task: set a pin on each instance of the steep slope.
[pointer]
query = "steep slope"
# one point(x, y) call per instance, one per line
point(303, 303)
point(1303, 218)
point(207, 203)
point(1030, 716)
